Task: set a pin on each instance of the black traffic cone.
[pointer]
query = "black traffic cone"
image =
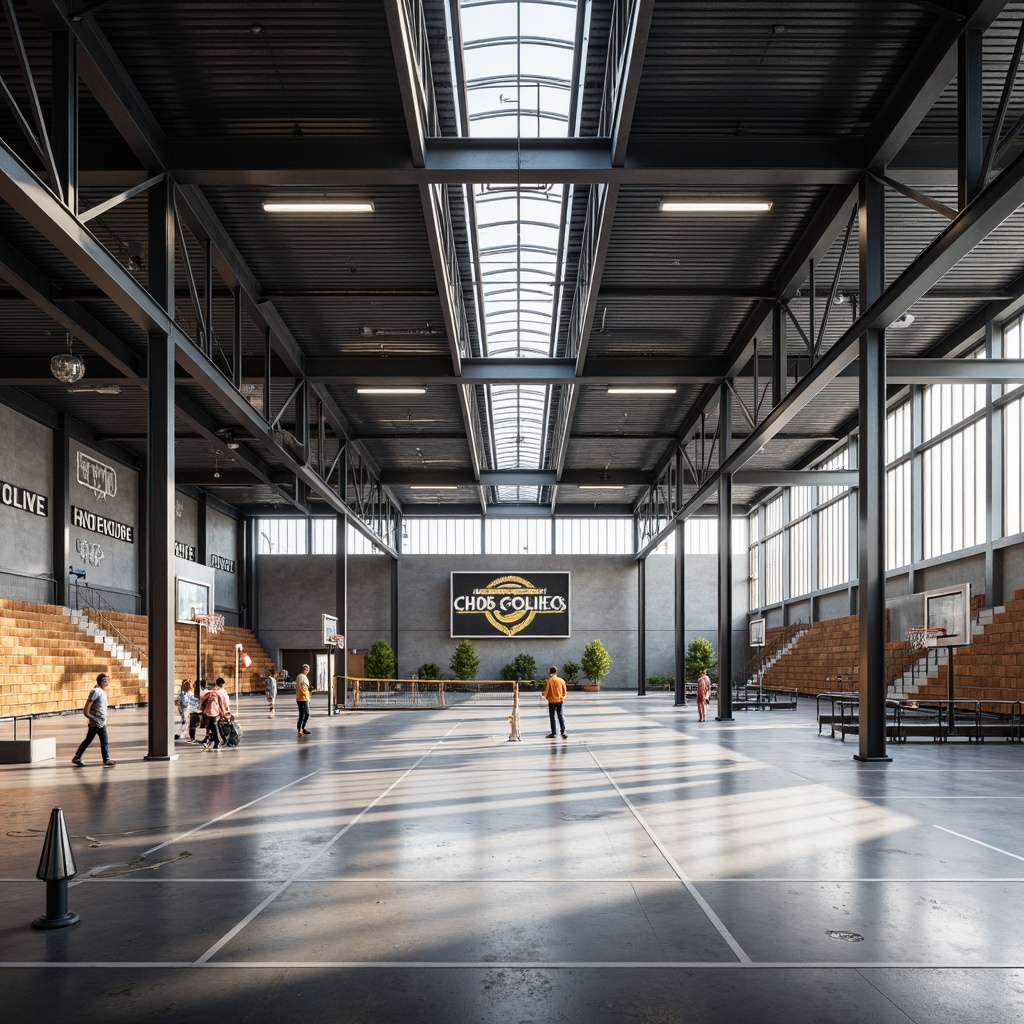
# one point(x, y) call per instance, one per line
point(56, 866)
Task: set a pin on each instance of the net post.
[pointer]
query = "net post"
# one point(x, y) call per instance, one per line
point(513, 719)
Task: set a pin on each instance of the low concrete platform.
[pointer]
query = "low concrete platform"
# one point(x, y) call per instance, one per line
point(417, 866)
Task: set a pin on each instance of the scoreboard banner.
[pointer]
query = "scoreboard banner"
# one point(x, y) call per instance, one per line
point(496, 604)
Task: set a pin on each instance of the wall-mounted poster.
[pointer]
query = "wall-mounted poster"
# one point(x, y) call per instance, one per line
point(496, 604)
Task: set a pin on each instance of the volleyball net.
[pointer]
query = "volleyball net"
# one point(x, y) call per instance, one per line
point(397, 694)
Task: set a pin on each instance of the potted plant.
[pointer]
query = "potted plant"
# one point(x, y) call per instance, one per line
point(523, 667)
point(464, 661)
point(571, 672)
point(700, 657)
point(380, 661)
point(596, 663)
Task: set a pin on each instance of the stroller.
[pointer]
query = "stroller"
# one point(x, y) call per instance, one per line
point(230, 732)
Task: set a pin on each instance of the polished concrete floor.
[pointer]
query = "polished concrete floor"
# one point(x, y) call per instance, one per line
point(416, 866)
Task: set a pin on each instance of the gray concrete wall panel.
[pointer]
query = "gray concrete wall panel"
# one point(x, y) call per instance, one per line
point(26, 540)
point(222, 548)
point(107, 494)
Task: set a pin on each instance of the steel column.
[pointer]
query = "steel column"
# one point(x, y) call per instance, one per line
point(994, 472)
point(725, 559)
point(341, 593)
point(394, 607)
point(970, 141)
point(160, 600)
point(641, 628)
point(680, 616)
point(64, 116)
point(871, 492)
point(60, 512)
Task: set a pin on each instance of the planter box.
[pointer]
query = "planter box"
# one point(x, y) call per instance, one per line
point(592, 687)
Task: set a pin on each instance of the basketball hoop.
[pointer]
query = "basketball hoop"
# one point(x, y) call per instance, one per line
point(337, 640)
point(922, 637)
point(213, 623)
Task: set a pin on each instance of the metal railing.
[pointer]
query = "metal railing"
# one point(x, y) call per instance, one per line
point(95, 605)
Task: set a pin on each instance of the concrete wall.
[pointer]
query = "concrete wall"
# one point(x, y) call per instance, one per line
point(222, 543)
point(111, 563)
point(26, 538)
point(294, 590)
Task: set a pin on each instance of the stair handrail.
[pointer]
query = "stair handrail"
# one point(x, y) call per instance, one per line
point(780, 638)
point(94, 604)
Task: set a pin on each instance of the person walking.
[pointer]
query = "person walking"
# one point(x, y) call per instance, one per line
point(95, 711)
point(554, 694)
point(181, 700)
point(302, 700)
point(195, 716)
point(271, 689)
point(214, 705)
point(703, 694)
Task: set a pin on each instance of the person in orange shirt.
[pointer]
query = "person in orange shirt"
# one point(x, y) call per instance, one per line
point(554, 694)
point(302, 699)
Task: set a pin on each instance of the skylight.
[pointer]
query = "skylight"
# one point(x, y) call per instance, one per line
point(518, 58)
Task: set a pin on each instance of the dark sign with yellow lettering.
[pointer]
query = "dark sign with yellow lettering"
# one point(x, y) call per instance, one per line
point(496, 604)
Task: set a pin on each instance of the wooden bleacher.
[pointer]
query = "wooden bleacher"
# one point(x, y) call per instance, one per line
point(48, 664)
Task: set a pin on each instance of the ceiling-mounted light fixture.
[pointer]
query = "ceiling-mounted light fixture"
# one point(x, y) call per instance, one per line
point(317, 206)
point(216, 466)
point(95, 389)
point(600, 487)
point(637, 390)
point(715, 206)
point(227, 435)
point(67, 367)
point(433, 487)
point(901, 322)
point(391, 391)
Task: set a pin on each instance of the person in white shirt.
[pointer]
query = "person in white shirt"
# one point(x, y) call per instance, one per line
point(95, 711)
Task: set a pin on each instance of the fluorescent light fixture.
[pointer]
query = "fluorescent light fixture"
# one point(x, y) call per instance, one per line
point(714, 206)
point(95, 389)
point(391, 391)
point(902, 322)
point(433, 487)
point(614, 390)
point(317, 206)
point(600, 487)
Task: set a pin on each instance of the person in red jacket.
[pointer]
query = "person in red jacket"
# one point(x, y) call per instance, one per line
point(554, 694)
point(703, 695)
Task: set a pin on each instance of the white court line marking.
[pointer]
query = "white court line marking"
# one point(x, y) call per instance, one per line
point(224, 939)
point(690, 887)
point(227, 814)
point(960, 835)
point(575, 880)
point(513, 965)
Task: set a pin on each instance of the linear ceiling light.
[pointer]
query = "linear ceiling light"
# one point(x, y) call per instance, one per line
point(600, 487)
point(317, 206)
point(613, 390)
point(433, 487)
point(391, 391)
point(714, 206)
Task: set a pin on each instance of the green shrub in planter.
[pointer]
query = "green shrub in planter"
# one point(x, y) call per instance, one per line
point(661, 682)
point(596, 661)
point(522, 666)
point(465, 663)
point(571, 673)
point(428, 670)
point(700, 657)
point(380, 661)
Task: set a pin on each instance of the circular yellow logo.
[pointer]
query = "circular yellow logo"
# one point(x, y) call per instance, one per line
point(515, 604)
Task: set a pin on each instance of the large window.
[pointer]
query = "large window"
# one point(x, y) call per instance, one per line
point(305, 536)
point(594, 536)
point(517, 536)
point(897, 487)
point(441, 536)
point(773, 551)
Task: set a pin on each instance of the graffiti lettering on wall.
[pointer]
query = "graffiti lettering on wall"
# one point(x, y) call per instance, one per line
point(92, 554)
point(100, 478)
point(18, 497)
point(222, 563)
point(182, 550)
point(87, 520)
